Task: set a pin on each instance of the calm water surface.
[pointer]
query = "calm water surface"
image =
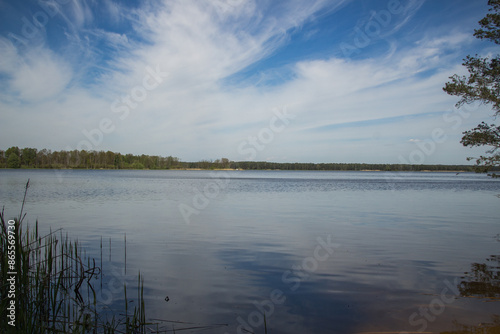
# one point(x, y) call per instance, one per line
point(319, 252)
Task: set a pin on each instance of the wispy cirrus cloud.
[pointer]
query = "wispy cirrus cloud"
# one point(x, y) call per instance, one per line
point(76, 73)
point(36, 75)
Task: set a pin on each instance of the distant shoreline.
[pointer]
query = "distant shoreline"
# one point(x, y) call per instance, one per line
point(240, 169)
point(31, 158)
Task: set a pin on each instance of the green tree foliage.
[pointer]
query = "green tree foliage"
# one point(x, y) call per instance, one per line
point(31, 158)
point(484, 135)
point(490, 24)
point(13, 161)
point(28, 157)
point(482, 85)
point(13, 149)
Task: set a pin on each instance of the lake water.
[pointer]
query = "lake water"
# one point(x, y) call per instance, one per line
point(318, 252)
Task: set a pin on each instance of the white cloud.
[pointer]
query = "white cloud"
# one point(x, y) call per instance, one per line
point(194, 115)
point(114, 39)
point(410, 10)
point(82, 14)
point(37, 75)
point(114, 10)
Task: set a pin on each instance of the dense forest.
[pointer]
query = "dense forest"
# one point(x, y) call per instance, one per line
point(15, 157)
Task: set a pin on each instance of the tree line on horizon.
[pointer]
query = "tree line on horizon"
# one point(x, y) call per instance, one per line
point(16, 157)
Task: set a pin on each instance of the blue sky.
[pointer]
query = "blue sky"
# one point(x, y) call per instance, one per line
point(291, 81)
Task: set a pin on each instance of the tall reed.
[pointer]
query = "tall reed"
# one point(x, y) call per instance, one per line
point(53, 285)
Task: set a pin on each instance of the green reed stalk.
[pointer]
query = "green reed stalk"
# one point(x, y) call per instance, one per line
point(53, 285)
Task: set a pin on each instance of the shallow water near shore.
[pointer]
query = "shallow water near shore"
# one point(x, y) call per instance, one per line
point(322, 252)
